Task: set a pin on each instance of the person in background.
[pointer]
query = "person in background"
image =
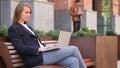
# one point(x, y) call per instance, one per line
point(29, 46)
point(76, 13)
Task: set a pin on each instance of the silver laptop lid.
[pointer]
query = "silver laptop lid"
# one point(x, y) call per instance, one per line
point(64, 38)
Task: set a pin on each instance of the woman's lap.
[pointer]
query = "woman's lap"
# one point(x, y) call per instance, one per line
point(52, 57)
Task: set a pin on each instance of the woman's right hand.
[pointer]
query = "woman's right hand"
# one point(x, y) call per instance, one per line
point(42, 49)
point(46, 47)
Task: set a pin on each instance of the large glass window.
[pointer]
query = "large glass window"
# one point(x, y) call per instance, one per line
point(94, 7)
point(104, 16)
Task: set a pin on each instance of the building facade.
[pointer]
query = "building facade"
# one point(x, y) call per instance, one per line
point(106, 10)
point(56, 13)
point(42, 14)
point(87, 4)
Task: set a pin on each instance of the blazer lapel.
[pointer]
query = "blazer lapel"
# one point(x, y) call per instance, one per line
point(32, 30)
point(26, 30)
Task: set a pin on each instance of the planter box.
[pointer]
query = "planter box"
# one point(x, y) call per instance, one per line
point(44, 38)
point(86, 45)
point(102, 49)
point(4, 39)
point(118, 47)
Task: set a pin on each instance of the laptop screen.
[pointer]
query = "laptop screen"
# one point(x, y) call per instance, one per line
point(64, 38)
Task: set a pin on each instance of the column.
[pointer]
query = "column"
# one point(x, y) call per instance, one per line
point(89, 19)
point(116, 24)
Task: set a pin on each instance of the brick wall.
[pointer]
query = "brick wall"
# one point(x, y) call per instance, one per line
point(87, 4)
point(119, 7)
point(60, 4)
point(70, 3)
point(115, 6)
point(66, 4)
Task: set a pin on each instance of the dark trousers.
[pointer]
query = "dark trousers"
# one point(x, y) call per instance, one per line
point(76, 26)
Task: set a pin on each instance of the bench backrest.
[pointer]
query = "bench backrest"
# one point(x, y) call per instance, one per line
point(12, 59)
point(10, 56)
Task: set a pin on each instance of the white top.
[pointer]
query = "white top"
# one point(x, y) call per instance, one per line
point(32, 33)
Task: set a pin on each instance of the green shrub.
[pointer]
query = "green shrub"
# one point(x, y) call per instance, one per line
point(3, 31)
point(76, 34)
point(40, 33)
point(53, 33)
point(50, 33)
point(110, 33)
point(84, 32)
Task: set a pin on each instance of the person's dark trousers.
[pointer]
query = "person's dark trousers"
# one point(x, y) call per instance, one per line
point(76, 26)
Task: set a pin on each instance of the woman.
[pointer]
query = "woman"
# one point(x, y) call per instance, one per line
point(26, 42)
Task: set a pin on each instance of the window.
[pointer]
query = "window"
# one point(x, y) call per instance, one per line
point(104, 15)
point(94, 5)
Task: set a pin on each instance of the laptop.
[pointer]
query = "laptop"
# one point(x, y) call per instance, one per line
point(63, 41)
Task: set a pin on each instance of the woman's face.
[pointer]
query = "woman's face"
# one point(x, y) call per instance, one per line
point(25, 15)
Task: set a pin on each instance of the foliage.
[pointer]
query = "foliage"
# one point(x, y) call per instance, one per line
point(53, 33)
point(110, 33)
point(40, 33)
point(106, 7)
point(85, 32)
point(50, 33)
point(3, 31)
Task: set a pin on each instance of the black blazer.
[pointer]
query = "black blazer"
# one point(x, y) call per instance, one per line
point(26, 44)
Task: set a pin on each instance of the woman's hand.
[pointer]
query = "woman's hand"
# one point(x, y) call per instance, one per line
point(46, 47)
point(42, 49)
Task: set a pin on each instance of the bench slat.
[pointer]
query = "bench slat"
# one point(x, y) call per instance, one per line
point(10, 47)
point(87, 60)
point(15, 56)
point(88, 64)
point(12, 52)
point(17, 60)
point(18, 65)
point(7, 43)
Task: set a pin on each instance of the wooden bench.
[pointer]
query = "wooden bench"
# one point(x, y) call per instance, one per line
point(12, 59)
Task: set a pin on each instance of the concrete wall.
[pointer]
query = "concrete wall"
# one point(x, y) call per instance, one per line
point(116, 24)
point(42, 17)
point(42, 0)
point(7, 11)
point(5, 18)
point(89, 19)
point(62, 14)
point(63, 20)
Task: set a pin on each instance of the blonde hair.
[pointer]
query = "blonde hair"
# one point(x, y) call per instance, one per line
point(18, 11)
